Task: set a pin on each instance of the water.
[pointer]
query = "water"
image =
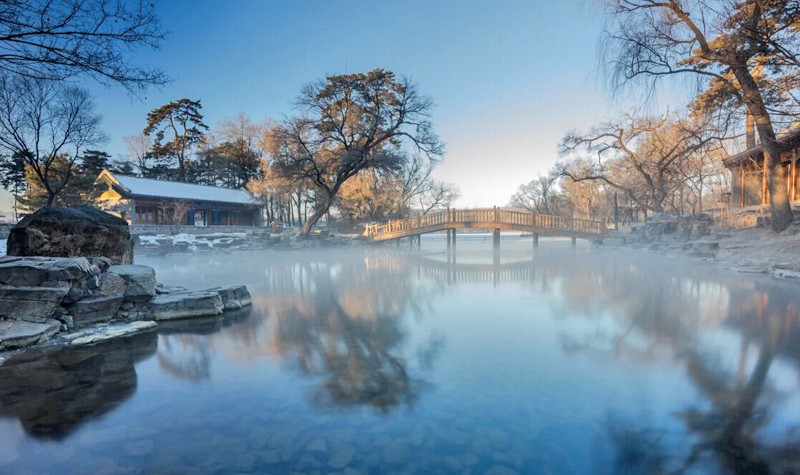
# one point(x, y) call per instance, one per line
point(397, 360)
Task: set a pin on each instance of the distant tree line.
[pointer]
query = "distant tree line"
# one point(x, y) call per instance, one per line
point(636, 166)
point(361, 144)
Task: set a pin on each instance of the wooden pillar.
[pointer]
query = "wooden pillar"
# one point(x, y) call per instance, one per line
point(448, 239)
point(454, 239)
point(496, 238)
point(535, 240)
point(793, 175)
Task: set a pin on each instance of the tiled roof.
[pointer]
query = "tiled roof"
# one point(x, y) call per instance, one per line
point(147, 187)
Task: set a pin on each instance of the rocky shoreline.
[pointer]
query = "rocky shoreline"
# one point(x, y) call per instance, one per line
point(752, 250)
point(78, 300)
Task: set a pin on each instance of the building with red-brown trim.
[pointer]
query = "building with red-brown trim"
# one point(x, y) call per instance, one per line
point(149, 201)
point(748, 186)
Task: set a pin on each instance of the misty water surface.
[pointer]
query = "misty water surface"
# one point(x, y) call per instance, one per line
point(396, 359)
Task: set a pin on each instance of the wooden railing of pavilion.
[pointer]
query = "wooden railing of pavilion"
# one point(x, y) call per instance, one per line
point(487, 218)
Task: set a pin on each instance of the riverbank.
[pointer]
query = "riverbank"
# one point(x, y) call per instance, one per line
point(753, 250)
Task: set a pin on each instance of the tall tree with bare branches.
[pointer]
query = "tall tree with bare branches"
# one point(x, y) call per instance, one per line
point(60, 39)
point(350, 123)
point(640, 156)
point(47, 124)
point(741, 50)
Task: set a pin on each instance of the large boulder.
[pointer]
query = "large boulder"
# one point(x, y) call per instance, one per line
point(72, 232)
point(140, 281)
point(233, 297)
point(44, 271)
point(187, 305)
point(31, 304)
point(101, 308)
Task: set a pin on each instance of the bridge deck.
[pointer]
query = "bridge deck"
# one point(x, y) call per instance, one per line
point(489, 218)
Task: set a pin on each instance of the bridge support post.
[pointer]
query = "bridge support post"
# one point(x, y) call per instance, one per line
point(496, 238)
point(454, 239)
point(535, 240)
point(574, 242)
point(448, 239)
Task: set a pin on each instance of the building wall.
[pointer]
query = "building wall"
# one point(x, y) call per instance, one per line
point(747, 184)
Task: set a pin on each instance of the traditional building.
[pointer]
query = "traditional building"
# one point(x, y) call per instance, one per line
point(748, 187)
point(148, 201)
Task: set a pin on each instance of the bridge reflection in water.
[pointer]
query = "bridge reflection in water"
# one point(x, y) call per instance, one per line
point(450, 272)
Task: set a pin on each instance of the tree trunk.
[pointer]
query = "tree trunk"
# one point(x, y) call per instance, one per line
point(323, 205)
point(781, 211)
point(781, 216)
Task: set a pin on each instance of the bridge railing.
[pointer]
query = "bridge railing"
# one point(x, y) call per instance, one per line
point(488, 216)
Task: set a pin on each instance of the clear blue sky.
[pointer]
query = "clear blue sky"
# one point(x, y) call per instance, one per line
point(509, 78)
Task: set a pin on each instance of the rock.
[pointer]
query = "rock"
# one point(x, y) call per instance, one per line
point(786, 274)
point(271, 457)
point(140, 281)
point(169, 289)
point(101, 308)
point(18, 334)
point(66, 320)
point(102, 263)
point(186, 305)
point(317, 445)
point(44, 271)
point(614, 241)
point(109, 284)
point(31, 304)
point(341, 458)
point(72, 232)
point(233, 297)
point(103, 333)
point(135, 311)
point(706, 246)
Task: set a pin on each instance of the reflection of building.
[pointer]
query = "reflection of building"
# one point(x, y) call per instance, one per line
point(748, 187)
point(148, 201)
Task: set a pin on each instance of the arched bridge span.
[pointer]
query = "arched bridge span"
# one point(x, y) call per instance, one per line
point(487, 218)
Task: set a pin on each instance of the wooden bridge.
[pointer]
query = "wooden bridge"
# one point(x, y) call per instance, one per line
point(488, 218)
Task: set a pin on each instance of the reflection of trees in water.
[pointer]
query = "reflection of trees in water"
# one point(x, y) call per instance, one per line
point(183, 345)
point(730, 427)
point(344, 326)
point(650, 305)
point(53, 391)
point(184, 356)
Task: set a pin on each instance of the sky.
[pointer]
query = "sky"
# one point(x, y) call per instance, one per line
point(508, 78)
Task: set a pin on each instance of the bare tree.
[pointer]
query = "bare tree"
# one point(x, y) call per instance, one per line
point(351, 123)
point(638, 156)
point(139, 148)
point(46, 122)
point(174, 213)
point(59, 39)
point(743, 51)
point(437, 195)
point(539, 195)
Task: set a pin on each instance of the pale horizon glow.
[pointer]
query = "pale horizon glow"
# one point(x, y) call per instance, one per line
point(509, 79)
